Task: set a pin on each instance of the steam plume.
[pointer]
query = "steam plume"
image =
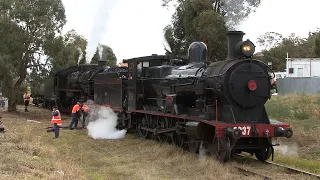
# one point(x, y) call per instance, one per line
point(102, 123)
point(100, 48)
point(100, 25)
point(80, 56)
point(287, 149)
point(237, 11)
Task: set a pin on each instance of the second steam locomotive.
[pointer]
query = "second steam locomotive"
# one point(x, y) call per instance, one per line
point(187, 102)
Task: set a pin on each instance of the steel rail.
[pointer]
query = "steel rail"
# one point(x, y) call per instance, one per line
point(291, 169)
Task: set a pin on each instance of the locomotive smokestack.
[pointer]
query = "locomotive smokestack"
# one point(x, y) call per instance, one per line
point(234, 37)
point(102, 56)
point(197, 52)
point(101, 62)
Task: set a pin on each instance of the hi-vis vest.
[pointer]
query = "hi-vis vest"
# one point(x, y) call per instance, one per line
point(85, 108)
point(26, 97)
point(57, 119)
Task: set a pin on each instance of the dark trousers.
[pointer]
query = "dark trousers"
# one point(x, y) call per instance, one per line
point(74, 121)
point(84, 115)
point(56, 130)
point(26, 104)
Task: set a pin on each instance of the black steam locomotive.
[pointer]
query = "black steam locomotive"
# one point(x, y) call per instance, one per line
point(219, 106)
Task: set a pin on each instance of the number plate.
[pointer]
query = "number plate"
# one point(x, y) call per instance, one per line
point(245, 130)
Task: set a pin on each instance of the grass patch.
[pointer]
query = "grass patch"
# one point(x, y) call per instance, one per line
point(300, 163)
point(302, 112)
point(29, 152)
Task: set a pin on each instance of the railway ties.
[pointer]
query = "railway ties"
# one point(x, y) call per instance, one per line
point(248, 173)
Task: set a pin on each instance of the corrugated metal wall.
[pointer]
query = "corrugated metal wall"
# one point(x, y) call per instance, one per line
point(301, 85)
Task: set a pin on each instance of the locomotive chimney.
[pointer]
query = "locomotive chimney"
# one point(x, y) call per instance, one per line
point(102, 56)
point(101, 62)
point(234, 37)
point(197, 52)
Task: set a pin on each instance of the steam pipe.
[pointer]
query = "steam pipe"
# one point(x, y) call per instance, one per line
point(234, 37)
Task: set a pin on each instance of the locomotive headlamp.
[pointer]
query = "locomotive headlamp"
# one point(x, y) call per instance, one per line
point(246, 48)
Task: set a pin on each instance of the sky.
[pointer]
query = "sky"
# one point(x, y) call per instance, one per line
point(135, 28)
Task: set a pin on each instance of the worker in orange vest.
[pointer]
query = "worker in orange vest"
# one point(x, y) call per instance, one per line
point(26, 99)
point(74, 114)
point(56, 120)
point(85, 111)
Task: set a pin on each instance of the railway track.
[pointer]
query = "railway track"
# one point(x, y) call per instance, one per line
point(247, 172)
point(289, 169)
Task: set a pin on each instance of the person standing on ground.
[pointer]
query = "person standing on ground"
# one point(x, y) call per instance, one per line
point(74, 114)
point(26, 99)
point(85, 110)
point(56, 120)
point(1, 128)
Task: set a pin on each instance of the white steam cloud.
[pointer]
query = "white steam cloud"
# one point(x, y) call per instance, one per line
point(103, 8)
point(237, 11)
point(100, 48)
point(288, 149)
point(102, 123)
point(80, 56)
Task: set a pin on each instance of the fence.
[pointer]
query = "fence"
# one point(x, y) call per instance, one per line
point(301, 85)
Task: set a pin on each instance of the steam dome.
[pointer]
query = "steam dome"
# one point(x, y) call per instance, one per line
point(197, 52)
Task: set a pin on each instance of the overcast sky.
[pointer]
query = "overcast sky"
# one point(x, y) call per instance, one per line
point(135, 28)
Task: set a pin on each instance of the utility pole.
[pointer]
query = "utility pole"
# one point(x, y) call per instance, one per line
point(288, 57)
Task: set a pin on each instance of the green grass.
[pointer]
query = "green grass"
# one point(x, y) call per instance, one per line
point(300, 163)
point(302, 112)
point(29, 152)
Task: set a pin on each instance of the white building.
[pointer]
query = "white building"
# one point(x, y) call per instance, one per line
point(303, 67)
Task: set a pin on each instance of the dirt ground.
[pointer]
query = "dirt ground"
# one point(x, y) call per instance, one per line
point(27, 151)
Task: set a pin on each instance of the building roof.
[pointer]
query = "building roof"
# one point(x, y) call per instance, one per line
point(304, 59)
point(259, 54)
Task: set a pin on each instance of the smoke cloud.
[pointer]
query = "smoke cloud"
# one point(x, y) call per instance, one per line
point(80, 56)
point(238, 10)
point(287, 149)
point(102, 123)
point(103, 8)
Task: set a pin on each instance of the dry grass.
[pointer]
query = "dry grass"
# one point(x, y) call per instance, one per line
point(27, 151)
point(302, 112)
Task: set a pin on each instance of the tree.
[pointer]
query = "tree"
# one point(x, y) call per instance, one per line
point(196, 21)
point(65, 51)
point(25, 26)
point(106, 54)
point(233, 11)
point(276, 48)
point(269, 40)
